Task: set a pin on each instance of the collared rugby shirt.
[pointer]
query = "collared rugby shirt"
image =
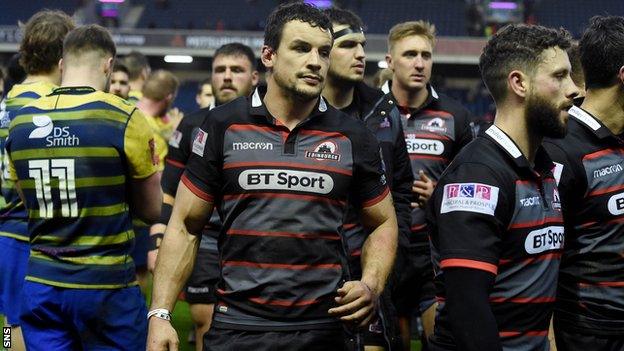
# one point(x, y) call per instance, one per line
point(282, 196)
point(591, 281)
point(491, 211)
point(434, 134)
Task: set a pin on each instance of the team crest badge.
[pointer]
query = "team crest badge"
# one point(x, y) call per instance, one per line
point(327, 150)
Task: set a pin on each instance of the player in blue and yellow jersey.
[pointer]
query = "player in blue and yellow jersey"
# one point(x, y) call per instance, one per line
point(45, 29)
point(82, 159)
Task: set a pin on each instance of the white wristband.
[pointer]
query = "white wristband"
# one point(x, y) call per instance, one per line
point(159, 313)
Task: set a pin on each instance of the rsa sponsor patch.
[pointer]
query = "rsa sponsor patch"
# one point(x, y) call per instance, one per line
point(327, 150)
point(424, 146)
point(199, 143)
point(544, 239)
point(469, 197)
point(282, 179)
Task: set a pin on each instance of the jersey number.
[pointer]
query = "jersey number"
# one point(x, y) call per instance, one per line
point(63, 169)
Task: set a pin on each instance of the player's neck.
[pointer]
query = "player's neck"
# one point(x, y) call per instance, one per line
point(512, 121)
point(136, 85)
point(285, 107)
point(83, 76)
point(607, 105)
point(54, 78)
point(339, 93)
point(409, 98)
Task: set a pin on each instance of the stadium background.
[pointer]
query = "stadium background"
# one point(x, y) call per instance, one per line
point(182, 35)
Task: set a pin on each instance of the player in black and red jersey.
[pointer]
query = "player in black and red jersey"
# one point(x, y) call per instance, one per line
point(280, 167)
point(436, 127)
point(590, 300)
point(497, 227)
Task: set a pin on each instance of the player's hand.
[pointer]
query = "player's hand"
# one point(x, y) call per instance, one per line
point(161, 336)
point(422, 188)
point(357, 304)
point(176, 116)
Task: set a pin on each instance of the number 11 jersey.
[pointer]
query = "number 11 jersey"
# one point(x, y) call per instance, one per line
point(74, 153)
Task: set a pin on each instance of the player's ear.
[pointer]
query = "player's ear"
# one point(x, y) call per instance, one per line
point(267, 56)
point(518, 82)
point(621, 75)
point(61, 63)
point(389, 61)
point(255, 78)
point(108, 65)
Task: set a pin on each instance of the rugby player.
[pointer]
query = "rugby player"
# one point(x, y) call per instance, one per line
point(233, 69)
point(280, 166)
point(205, 95)
point(496, 224)
point(436, 128)
point(138, 71)
point(346, 91)
point(82, 158)
point(45, 29)
point(589, 314)
point(119, 84)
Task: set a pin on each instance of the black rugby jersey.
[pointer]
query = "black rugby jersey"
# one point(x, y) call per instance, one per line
point(175, 162)
point(491, 211)
point(282, 196)
point(591, 280)
point(434, 134)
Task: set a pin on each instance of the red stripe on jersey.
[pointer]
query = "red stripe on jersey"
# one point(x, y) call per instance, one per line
point(289, 165)
point(605, 284)
point(283, 303)
point(296, 267)
point(464, 263)
point(601, 153)
point(523, 299)
point(377, 199)
point(175, 163)
point(416, 228)
point(605, 190)
point(195, 190)
point(503, 261)
point(429, 136)
point(427, 157)
point(438, 113)
point(328, 236)
point(349, 226)
point(356, 253)
point(299, 197)
point(543, 257)
point(547, 220)
point(252, 127)
point(322, 133)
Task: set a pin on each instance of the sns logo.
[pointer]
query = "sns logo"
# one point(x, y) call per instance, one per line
point(616, 204)
point(277, 179)
point(545, 239)
point(424, 146)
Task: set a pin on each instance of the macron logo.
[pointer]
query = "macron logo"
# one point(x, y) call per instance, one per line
point(44, 127)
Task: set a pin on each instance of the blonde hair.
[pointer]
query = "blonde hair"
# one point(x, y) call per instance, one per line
point(411, 28)
point(160, 84)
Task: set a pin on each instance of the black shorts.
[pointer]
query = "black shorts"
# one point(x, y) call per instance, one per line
point(200, 287)
point(573, 341)
point(414, 289)
point(217, 339)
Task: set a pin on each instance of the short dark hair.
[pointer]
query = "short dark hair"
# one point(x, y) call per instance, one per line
point(237, 49)
point(343, 16)
point(517, 46)
point(296, 11)
point(136, 62)
point(120, 67)
point(602, 50)
point(201, 84)
point(42, 42)
point(574, 54)
point(88, 38)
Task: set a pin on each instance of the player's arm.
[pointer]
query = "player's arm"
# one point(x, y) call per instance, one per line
point(402, 184)
point(145, 192)
point(357, 299)
point(467, 236)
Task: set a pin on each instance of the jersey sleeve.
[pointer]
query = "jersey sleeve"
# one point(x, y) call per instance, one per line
point(467, 216)
point(369, 183)
point(178, 155)
point(139, 147)
point(205, 165)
